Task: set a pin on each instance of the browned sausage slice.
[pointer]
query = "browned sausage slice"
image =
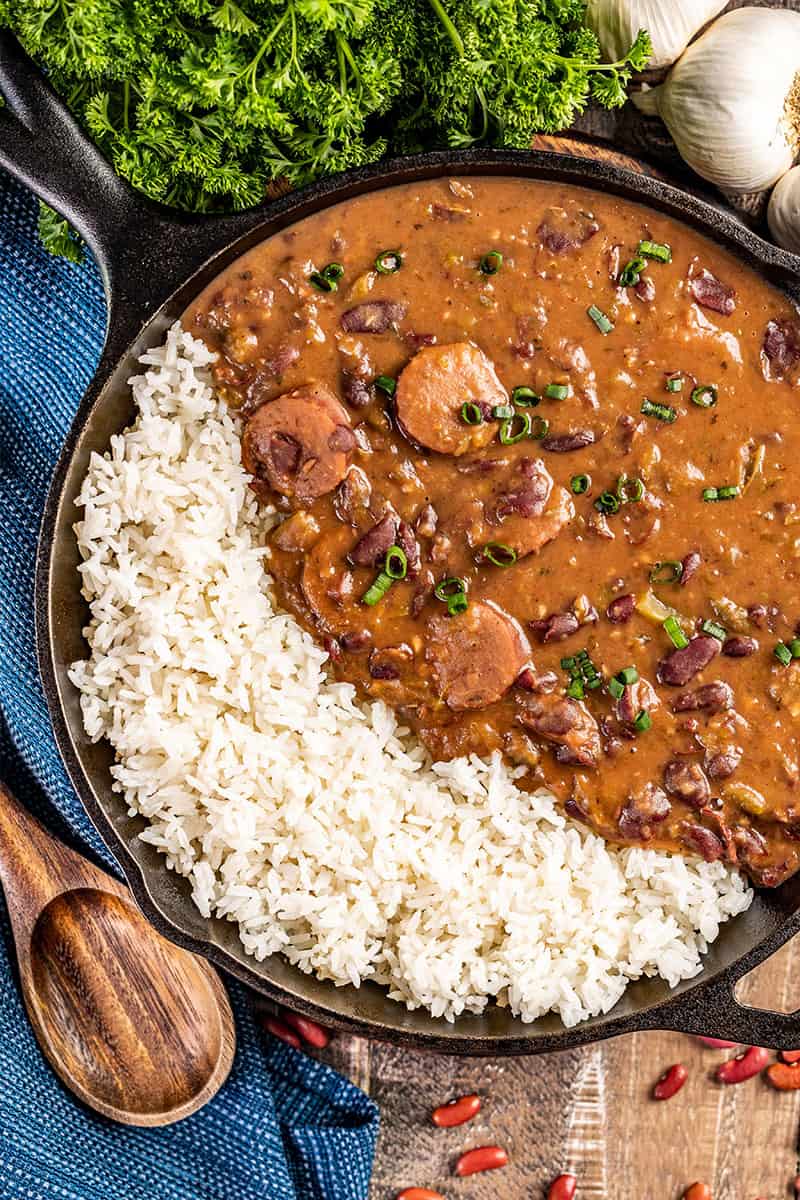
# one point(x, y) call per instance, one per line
point(299, 444)
point(475, 657)
point(433, 387)
point(526, 512)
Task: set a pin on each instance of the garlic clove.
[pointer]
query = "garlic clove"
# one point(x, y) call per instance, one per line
point(783, 214)
point(671, 26)
point(732, 102)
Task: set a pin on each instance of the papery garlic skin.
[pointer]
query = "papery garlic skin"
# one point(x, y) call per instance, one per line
point(732, 102)
point(671, 25)
point(783, 214)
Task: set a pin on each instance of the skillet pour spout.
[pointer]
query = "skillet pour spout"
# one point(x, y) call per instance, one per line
point(153, 263)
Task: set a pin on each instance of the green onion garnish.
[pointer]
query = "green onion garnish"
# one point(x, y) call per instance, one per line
point(580, 484)
point(378, 590)
point(674, 383)
point(666, 572)
point(660, 251)
point(630, 273)
point(794, 646)
point(642, 721)
point(327, 280)
point(783, 653)
point(539, 428)
point(385, 383)
point(502, 412)
point(628, 675)
point(556, 391)
point(507, 435)
point(567, 664)
point(491, 263)
point(457, 604)
point(575, 689)
point(600, 319)
point(607, 502)
point(675, 634)
point(388, 261)
point(712, 494)
point(471, 414)
point(663, 412)
point(525, 397)
point(616, 688)
point(630, 491)
point(396, 565)
point(596, 682)
point(449, 587)
point(713, 629)
point(705, 396)
point(500, 554)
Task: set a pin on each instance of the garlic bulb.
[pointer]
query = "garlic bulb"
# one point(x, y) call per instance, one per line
point(732, 102)
point(783, 214)
point(671, 26)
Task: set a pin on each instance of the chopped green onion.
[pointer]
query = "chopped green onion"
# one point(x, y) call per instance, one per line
point(580, 484)
point(556, 391)
point(664, 412)
point(449, 587)
point(525, 397)
point(388, 261)
point(502, 412)
point(491, 263)
point(660, 251)
point(642, 721)
point(457, 604)
point(600, 319)
point(630, 491)
point(714, 630)
point(539, 428)
point(710, 495)
point(794, 646)
point(674, 383)
point(616, 688)
point(500, 554)
point(675, 634)
point(582, 655)
point(575, 689)
point(507, 435)
point(631, 272)
point(385, 383)
point(729, 492)
point(607, 502)
point(705, 396)
point(596, 682)
point(378, 590)
point(320, 281)
point(396, 565)
point(666, 572)
point(471, 414)
point(567, 664)
point(628, 675)
point(783, 653)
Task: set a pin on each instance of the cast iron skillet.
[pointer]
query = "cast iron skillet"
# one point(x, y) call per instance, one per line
point(153, 261)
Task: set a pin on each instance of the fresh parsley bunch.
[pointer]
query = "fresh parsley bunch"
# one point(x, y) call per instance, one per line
point(202, 104)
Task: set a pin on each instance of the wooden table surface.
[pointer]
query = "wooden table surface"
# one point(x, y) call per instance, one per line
point(589, 1111)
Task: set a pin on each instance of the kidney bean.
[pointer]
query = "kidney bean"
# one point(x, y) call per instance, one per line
point(621, 609)
point(417, 1193)
point(457, 1112)
point(670, 1082)
point(717, 1043)
point(710, 292)
point(723, 764)
point(703, 842)
point(536, 681)
point(482, 1158)
point(698, 1191)
point(747, 1064)
point(556, 627)
point(358, 639)
point(309, 1030)
point(281, 1031)
point(789, 1056)
point(682, 665)
point(711, 697)
point(373, 545)
point(562, 1188)
point(687, 781)
point(376, 316)
point(689, 566)
point(564, 443)
point(784, 1076)
point(739, 647)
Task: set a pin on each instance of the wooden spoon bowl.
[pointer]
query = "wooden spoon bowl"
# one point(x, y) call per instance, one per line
point(136, 1027)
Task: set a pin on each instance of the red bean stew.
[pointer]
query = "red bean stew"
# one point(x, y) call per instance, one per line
point(536, 448)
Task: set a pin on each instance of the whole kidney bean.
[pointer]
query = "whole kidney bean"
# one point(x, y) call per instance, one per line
point(482, 1158)
point(739, 647)
point(751, 1062)
point(457, 1111)
point(562, 1188)
point(682, 665)
point(697, 1191)
point(717, 1043)
point(281, 1031)
point(309, 1030)
point(789, 1056)
point(621, 609)
point(784, 1076)
point(670, 1082)
point(415, 1193)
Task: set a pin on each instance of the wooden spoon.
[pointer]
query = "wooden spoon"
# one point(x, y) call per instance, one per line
point(137, 1028)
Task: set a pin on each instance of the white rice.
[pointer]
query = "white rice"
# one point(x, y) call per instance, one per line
point(315, 821)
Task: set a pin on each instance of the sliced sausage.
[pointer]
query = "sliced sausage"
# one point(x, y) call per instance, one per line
point(475, 657)
point(524, 510)
point(299, 444)
point(432, 389)
point(565, 722)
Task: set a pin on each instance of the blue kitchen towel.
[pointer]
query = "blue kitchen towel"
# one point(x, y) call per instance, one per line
point(283, 1127)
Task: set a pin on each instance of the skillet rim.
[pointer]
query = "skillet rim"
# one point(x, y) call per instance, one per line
point(705, 1004)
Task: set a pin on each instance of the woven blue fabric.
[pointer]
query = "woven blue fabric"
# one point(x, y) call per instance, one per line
point(284, 1127)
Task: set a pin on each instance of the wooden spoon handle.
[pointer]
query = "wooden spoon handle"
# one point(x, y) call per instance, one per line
point(35, 867)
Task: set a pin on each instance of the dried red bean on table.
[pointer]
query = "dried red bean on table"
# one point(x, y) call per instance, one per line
point(747, 1064)
point(789, 1056)
point(784, 1076)
point(309, 1030)
point(281, 1031)
point(482, 1158)
point(418, 1193)
point(457, 1112)
point(717, 1043)
point(562, 1188)
point(670, 1082)
point(698, 1191)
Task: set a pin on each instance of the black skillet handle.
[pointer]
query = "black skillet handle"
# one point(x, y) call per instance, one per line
point(144, 250)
